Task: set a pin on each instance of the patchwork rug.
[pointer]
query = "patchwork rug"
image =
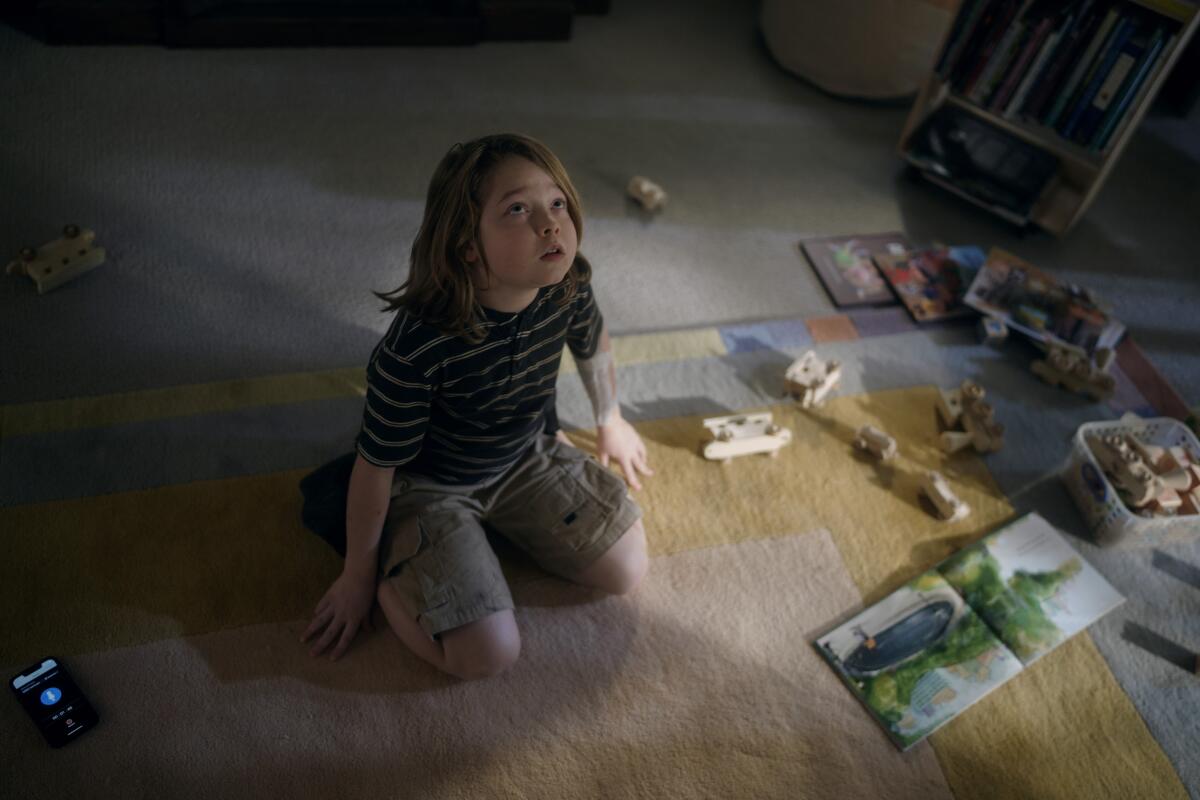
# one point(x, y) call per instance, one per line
point(153, 541)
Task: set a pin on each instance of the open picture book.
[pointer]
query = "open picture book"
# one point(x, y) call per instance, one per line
point(929, 650)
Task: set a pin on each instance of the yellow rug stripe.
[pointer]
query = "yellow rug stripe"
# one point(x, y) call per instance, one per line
point(203, 398)
point(178, 401)
point(652, 348)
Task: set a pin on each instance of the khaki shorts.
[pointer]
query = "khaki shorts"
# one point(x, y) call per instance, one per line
point(556, 503)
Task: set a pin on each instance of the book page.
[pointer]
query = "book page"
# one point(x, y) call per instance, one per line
point(918, 658)
point(1030, 586)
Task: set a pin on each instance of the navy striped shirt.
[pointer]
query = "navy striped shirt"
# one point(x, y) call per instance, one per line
point(460, 412)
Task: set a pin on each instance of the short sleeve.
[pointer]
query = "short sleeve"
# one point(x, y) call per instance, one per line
point(396, 413)
point(583, 334)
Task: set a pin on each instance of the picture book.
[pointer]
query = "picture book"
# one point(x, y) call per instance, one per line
point(926, 652)
point(931, 282)
point(845, 266)
point(1041, 306)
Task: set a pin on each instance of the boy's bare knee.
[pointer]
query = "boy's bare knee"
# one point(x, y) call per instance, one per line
point(622, 568)
point(484, 648)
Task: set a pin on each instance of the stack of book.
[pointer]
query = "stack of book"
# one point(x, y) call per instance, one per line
point(1078, 68)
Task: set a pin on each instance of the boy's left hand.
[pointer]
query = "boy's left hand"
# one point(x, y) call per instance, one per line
point(619, 441)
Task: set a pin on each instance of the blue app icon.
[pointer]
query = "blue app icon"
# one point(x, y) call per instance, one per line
point(51, 696)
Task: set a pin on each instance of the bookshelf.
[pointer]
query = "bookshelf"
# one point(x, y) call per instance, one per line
point(1008, 64)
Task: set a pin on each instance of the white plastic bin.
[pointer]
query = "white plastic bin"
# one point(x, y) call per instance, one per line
point(1109, 518)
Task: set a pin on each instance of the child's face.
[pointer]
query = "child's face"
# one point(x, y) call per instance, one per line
point(522, 217)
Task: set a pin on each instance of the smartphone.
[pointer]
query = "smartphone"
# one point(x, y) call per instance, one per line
point(54, 702)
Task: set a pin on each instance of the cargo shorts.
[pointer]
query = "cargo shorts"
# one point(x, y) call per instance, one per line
point(556, 503)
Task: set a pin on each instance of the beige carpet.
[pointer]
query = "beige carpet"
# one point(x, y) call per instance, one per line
point(702, 684)
point(180, 608)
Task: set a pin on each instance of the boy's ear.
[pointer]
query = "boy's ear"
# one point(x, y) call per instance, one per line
point(470, 253)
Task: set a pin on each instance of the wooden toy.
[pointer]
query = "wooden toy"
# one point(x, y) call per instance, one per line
point(1131, 476)
point(945, 503)
point(648, 194)
point(1072, 369)
point(59, 261)
point(744, 434)
point(810, 380)
point(874, 441)
point(970, 421)
point(992, 330)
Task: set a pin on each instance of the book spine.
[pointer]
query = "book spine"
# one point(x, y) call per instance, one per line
point(994, 34)
point(964, 25)
point(965, 58)
point(996, 63)
point(1131, 99)
point(1072, 41)
point(1017, 74)
point(1081, 68)
point(1031, 77)
point(1111, 85)
point(1110, 54)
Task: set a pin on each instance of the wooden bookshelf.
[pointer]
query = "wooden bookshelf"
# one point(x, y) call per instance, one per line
point(1082, 172)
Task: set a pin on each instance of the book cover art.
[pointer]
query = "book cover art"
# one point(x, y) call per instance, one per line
point(918, 658)
point(1040, 306)
point(845, 266)
point(1030, 587)
point(931, 282)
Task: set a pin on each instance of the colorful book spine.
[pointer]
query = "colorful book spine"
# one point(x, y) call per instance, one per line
point(1108, 58)
point(998, 60)
point(1035, 71)
point(973, 42)
point(1068, 90)
point(1123, 109)
point(964, 26)
point(1021, 65)
point(1093, 115)
point(1072, 42)
point(996, 32)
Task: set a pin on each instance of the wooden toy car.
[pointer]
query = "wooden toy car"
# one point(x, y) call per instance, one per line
point(874, 441)
point(810, 380)
point(969, 420)
point(59, 261)
point(945, 503)
point(647, 193)
point(1073, 370)
point(742, 435)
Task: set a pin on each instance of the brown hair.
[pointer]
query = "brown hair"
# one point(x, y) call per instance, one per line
point(439, 289)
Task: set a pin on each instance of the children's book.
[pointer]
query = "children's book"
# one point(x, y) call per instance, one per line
point(1042, 307)
point(926, 652)
point(844, 264)
point(931, 282)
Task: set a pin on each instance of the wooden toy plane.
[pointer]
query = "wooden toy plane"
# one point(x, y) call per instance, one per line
point(743, 435)
point(59, 261)
point(810, 380)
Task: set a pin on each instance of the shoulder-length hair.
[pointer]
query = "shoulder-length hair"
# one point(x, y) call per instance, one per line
point(439, 290)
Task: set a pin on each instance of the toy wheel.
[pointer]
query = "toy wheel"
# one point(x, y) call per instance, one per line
point(28, 254)
point(71, 231)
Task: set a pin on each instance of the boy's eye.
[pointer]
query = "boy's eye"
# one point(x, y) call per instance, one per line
point(516, 208)
point(560, 203)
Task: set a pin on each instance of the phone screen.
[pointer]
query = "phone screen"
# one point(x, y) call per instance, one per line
point(54, 702)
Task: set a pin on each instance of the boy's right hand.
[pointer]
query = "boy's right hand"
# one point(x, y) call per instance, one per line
point(341, 613)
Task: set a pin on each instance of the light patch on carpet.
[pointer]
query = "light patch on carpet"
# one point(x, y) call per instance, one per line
point(701, 684)
point(178, 401)
point(651, 348)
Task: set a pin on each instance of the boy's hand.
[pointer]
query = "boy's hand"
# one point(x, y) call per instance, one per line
point(341, 612)
point(619, 441)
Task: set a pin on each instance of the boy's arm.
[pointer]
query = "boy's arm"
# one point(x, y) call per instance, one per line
point(348, 601)
point(615, 438)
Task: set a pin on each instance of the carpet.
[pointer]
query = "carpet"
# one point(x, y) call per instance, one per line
point(165, 562)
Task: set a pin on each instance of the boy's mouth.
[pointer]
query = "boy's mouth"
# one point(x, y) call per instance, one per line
point(553, 254)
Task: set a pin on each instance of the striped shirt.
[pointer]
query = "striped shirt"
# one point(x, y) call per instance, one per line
point(460, 412)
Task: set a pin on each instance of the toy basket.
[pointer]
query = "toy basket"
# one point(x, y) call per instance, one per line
point(1112, 522)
